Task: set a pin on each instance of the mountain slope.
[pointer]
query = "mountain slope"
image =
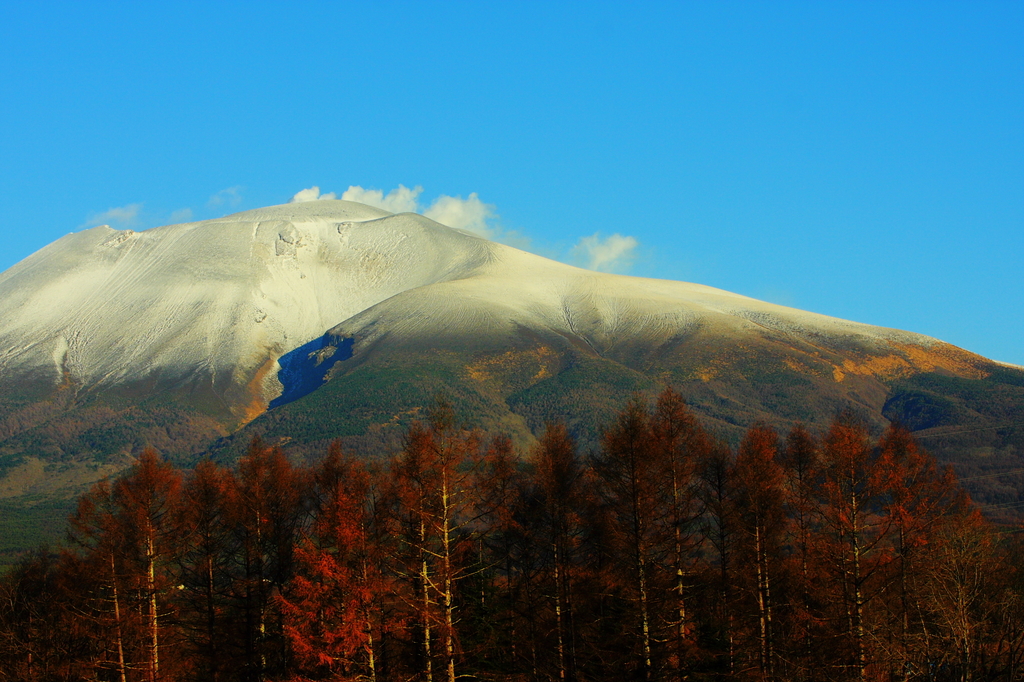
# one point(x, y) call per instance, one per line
point(533, 340)
point(209, 307)
point(306, 322)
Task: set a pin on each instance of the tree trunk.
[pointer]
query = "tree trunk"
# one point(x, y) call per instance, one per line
point(449, 605)
point(154, 624)
point(211, 622)
point(645, 620)
point(428, 663)
point(559, 623)
point(858, 597)
point(117, 621)
point(680, 573)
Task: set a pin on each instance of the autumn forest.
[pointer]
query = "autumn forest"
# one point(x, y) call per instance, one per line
point(665, 554)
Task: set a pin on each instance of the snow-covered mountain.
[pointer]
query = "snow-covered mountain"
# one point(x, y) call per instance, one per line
point(220, 301)
point(215, 303)
point(115, 339)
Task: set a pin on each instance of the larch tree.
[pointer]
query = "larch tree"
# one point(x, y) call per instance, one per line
point(206, 547)
point(853, 537)
point(678, 443)
point(760, 519)
point(920, 497)
point(800, 464)
point(966, 592)
point(41, 635)
point(265, 513)
point(328, 607)
point(146, 498)
point(435, 486)
point(635, 499)
point(96, 528)
point(717, 491)
point(501, 509)
point(409, 493)
point(558, 477)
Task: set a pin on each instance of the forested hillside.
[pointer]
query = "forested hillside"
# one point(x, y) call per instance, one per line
point(664, 554)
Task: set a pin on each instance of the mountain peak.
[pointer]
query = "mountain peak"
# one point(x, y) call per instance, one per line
point(321, 210)
point(220, 298)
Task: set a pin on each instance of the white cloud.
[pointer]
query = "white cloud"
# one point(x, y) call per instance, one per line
point(401, 200)
point(612, 254)
point(182, 215)
point(469, 214)
point(311, 194)
point(123, 216)
point(231, 197)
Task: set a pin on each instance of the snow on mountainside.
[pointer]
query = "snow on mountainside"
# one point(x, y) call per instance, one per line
point(217, 303)
point(514, 288)
point(223, 297)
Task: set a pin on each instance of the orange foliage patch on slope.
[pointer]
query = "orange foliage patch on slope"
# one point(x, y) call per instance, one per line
point(913, 359)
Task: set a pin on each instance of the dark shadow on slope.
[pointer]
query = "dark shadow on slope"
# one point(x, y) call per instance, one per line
point(304, 369)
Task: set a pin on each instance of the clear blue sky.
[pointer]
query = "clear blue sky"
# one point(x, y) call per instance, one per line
point(863, 160)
